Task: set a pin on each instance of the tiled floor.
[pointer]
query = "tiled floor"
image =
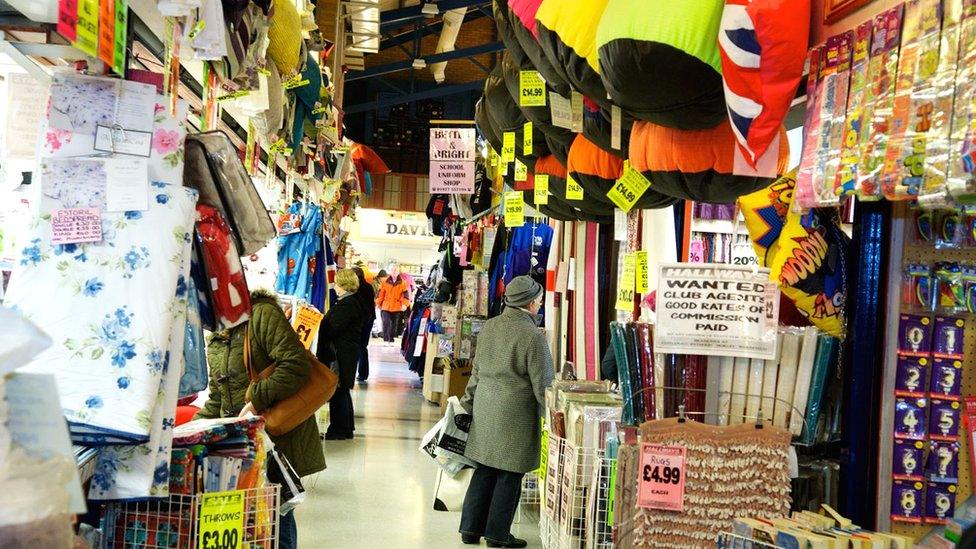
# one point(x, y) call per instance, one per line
point(378, 489)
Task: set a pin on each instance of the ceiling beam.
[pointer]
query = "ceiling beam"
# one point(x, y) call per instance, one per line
point(424, 30)
point(392, 19)
point(429, 59)
point(439, 91)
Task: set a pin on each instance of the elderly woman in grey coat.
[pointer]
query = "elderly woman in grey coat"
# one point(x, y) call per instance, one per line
point(506, 396)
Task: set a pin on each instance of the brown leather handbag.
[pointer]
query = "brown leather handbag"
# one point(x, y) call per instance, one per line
point(285, 415)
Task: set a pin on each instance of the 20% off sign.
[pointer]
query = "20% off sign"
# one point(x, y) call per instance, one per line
point(221, 520)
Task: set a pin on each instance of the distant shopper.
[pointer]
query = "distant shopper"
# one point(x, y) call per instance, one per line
point(392, 301)
point(273, 342)
point(339, 342)
point(367, 300)
point(506, 395)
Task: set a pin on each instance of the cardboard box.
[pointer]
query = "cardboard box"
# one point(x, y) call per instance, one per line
point(455, 382)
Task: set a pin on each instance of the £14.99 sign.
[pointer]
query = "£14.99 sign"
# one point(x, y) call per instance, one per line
point(221, 520)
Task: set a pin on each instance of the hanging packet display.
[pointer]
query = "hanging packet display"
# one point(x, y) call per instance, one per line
point(858, 94)
point(882, 70)
point(936, 115)
point(811, 125)
point(836, 87)
point(960, 183)
point(224, 271)
point(765, 213)
point(903, 169)
point(918, 288)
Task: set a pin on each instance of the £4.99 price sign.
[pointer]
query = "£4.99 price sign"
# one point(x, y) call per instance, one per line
point(662, 477)
point(221, 520)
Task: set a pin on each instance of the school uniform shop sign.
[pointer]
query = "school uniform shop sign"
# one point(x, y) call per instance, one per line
point(716, 309)
point(452, 160)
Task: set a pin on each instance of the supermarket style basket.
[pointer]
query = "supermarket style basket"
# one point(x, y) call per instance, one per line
point(174, 522)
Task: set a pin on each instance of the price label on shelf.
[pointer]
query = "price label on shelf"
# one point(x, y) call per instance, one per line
point(221, 520)
point(661, 483)
point(532, 89)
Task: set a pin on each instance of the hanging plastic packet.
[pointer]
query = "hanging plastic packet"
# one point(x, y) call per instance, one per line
point(910, 418)
point(910, 376)
point(907, 460)
point(951, 291)
point(960, 180)
point(918, 289)
point(949, 229)
point(944, 419)
point(907, 500)
point(969, 227)
point(820, 167)
point(914, 335)
point(969, 286)
point(946, 380)
point(940, 503)
point(803, 196)
point(922, 226)
point(904, 165)
point(936, 113)
point(943, 462)
point(858, 93)
point(878, 107)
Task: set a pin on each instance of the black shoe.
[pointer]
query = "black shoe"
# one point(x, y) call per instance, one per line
point(337, 436)
point(512, 542)
point(468, 539)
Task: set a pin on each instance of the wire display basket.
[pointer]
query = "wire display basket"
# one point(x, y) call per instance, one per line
point(531, 497)
point(577, 507)
point(174, 523)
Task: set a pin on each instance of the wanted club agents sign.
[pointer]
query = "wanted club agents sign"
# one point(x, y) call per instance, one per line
point(715, 309)
point(452, 158)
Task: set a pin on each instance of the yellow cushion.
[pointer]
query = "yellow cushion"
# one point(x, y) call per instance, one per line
point(285, 36)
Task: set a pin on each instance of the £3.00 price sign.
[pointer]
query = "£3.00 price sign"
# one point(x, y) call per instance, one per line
point(221, 520)
point(662, 477)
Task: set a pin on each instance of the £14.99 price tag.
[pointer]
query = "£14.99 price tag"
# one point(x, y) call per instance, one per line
point(661, 484)
point(221, 520)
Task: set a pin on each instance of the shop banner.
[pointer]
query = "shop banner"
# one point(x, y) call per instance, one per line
point(717, 310)
point(221, 520)
point(625, 288)
point(661, 482)
point(452, 160)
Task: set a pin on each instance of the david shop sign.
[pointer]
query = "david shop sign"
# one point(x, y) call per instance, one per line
point(407, 228)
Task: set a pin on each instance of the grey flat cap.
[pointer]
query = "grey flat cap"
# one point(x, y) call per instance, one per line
point(521, 290)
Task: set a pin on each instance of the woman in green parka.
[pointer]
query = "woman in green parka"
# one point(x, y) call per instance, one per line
point(273, 341)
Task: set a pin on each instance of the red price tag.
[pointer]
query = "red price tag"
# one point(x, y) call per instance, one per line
point(661, 484)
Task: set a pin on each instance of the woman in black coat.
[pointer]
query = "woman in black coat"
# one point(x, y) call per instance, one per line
point(339, 337)
point(367, 299)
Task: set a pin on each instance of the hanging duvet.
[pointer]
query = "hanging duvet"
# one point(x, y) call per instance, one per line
point(567, 34)
point(110, 309)
point(659, 60)
point(297, 252)
point(520, 18)
point(597, 171)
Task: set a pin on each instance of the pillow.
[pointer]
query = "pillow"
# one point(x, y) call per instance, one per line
point(285, 38)
point(695, 164)
point(763, 46)
point(567, 34)
point(529, 44)
point(585, 210)
point(597, 171)
point(659, 60)
point(597, 128)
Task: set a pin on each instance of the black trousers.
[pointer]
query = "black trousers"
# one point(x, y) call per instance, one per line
point(341, 419)
point(490, 503)
point(390, 321)
point(364, 350)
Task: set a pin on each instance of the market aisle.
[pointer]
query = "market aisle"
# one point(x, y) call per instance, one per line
point(378, 489)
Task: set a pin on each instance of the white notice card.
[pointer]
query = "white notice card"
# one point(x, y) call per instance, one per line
point(127, 184)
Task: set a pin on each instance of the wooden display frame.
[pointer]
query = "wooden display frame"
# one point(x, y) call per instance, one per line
point(835, 10)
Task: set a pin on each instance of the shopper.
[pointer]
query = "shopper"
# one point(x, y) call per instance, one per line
point(273, 342)
point(367, 301)
point(340, 336)
point(506, 394)
point(392, 301)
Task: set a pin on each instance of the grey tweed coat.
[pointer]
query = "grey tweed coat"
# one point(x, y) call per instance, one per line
point(506, 393)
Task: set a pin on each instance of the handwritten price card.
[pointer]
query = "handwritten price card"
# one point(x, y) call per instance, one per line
point(75, 225)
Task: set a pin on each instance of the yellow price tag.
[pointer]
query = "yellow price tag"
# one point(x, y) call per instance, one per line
point(631, 186)
point(306, 324)
point(541, 190)
point(532, 89)
point(514, 209)
point(625, 288)
point(527, 142)
point(573, 189)
point(508, 148)
point(87, 33)
point(642, 268)
point(521, 171)
point(221, 520)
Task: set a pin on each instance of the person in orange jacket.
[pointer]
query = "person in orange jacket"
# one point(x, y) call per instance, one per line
point(392, 300)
